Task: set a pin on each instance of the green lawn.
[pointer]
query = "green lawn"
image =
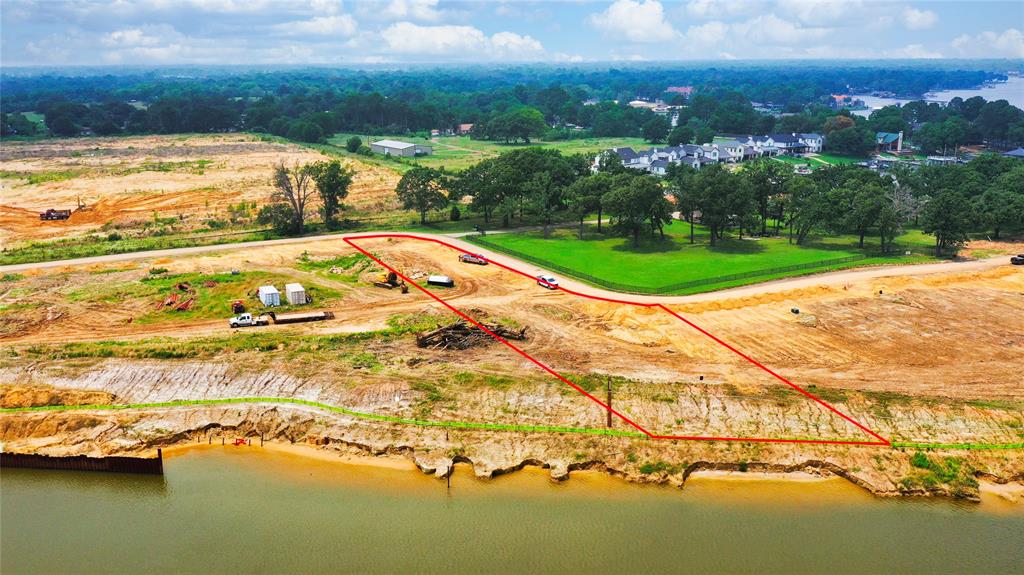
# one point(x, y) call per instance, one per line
point(658, 263)
point(834, 159)
point(456, 153)
point(795, 161)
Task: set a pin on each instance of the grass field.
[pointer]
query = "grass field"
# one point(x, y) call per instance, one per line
point(816, 161)
point(457, 153)
point(657, 263)
point(834, 159)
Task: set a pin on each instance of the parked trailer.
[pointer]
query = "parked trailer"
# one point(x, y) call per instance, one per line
point(52, 214)
point(300, 317)
point(249, 320)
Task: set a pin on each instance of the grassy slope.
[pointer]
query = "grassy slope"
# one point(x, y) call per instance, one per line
point(657, 263)
point(211, 301)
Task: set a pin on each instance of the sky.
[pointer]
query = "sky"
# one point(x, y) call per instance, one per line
point(340, 33)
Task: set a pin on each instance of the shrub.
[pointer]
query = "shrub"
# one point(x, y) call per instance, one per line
point(920, 461)
point(353, 144)
point(157, 271)
point(113, 237)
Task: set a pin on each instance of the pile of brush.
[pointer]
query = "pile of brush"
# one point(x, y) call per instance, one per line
point(464, 335)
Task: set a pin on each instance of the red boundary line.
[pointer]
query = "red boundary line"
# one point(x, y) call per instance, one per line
point(881, 440)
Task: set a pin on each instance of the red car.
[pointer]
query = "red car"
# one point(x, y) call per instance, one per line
point(473, 259)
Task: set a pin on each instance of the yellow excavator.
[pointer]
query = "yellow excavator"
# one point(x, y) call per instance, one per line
point(390, 280)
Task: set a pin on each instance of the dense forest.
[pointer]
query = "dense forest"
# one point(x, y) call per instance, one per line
point(508, 104)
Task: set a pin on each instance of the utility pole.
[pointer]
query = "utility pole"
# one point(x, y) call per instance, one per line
point(609, 387)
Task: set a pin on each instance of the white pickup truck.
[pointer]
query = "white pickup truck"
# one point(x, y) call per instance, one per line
point(248, 320)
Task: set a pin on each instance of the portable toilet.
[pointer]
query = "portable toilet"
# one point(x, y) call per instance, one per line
point(295, 294)
point(269, 295)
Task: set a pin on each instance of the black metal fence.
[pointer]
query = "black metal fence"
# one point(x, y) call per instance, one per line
point(666, 289)
point(149, 466)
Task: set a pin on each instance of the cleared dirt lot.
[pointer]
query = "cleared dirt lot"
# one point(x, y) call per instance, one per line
point(929, 359)
point(124, 180)
point(950, 334)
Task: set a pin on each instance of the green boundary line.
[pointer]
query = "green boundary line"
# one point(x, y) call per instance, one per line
point(965, 446)
point(428, 423)
point(334, 408)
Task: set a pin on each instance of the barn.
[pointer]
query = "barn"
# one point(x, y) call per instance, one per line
point(397, 148)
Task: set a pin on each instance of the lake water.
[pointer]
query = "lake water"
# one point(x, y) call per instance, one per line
point(246, 510)
point(1012, 91)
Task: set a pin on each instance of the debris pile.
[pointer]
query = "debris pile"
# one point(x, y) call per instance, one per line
point(181, 300)
point(464, 335)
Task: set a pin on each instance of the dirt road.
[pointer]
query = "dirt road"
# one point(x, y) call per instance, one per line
point(837, 278)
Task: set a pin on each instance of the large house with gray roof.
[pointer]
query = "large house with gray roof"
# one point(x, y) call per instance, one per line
point(739, 149)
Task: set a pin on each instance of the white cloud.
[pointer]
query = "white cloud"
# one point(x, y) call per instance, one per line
point(129, 37)
point(407, 37)
point(821, 12)
point(1009, 43)
point(334, 25)
point(636, 21)
point(425, 10)
point(707, 34)
point(514, 44)
point(563, 57)
point(325, 6)
point(913, 51)
point(769, 29)
point(463, 42)
point(915, 19)
point(719, 8)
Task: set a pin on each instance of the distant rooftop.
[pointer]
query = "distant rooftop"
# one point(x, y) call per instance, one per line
point(393, 144)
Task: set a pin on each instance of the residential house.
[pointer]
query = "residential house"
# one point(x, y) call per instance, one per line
point(888, 142)
point(815, 142)
point(657, 160)
point(774, 144)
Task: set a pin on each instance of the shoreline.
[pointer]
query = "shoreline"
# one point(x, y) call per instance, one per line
point(992, 494)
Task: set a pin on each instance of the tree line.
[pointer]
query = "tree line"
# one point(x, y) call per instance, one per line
point(510, 104)
point(762, 198)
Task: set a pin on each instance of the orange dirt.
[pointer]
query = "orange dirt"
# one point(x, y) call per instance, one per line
point(126, 181)
point(948, 334)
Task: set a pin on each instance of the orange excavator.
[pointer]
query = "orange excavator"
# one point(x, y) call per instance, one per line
point(390, 280)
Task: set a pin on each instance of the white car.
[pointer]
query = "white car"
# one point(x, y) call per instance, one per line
point(547, 281)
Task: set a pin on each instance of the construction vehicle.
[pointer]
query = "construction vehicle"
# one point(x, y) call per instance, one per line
point(52, 214)
point(473, 259)
point(249, 320)
point(391, 280)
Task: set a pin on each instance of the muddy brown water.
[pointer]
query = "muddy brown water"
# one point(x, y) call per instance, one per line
point(237, 510)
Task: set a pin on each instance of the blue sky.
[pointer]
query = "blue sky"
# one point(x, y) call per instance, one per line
point(333, 32)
